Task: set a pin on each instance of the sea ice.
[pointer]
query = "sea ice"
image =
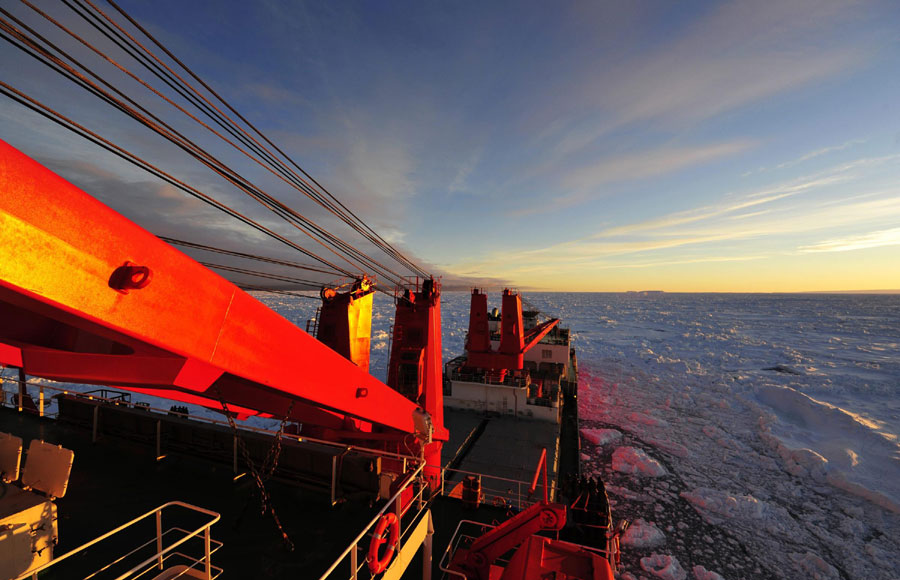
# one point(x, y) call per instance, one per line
point(642, 534)
point(601, 436)
point(663, 566)
point(701, 573)
point(713, 503)
point(814, 567)
point(634, 460)
point(828, 443)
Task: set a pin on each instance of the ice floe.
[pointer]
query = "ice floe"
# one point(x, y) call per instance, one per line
point(601, 436)
point(642, 534)
point(701, 573)
point(636, 461)
point(663, 566)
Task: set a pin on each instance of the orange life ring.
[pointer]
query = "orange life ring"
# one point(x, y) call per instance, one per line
point(378, 565)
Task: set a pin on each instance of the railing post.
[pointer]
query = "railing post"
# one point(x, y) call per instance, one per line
point(354, 562)
point(234, 446)
point(41, 401)
point(429, 549)
point(333, 478)
point(158, 439)
point(22, 391)
point(207, 540)
point(96, 422)
point(423, 485)
point(159, 547)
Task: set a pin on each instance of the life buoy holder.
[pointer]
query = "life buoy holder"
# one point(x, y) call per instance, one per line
point(378, 565)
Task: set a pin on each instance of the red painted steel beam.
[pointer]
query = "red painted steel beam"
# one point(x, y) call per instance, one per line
point(61, 251)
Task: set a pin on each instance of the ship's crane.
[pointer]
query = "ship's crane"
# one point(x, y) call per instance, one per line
point(88, 296)
point(534, 556)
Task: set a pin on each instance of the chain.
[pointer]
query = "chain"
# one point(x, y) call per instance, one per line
point(265, 500)
point(274, 453)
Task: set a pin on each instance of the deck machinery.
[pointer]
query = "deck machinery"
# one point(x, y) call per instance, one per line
point(87, 296)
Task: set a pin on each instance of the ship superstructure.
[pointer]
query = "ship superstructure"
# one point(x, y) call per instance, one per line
point(514, 365)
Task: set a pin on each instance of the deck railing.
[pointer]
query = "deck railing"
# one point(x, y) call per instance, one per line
point(164, 553)
point(485, 378)
point(48, 408)
point(503, 492)
point(410, 519)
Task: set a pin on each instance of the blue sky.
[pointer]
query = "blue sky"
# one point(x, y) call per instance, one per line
point(730, 146)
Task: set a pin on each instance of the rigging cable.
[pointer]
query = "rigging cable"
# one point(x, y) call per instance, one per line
point(296, 219)
point(311, 283)
point(387, 247)
point(276, 261)
point(283, 173)
point(253, 287)
point(274, 205)
point(67, 123)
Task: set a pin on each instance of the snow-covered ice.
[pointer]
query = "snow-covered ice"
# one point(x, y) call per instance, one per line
point(701, 573)
point(601, 436)
point(642, 534)
point(636, 461)
point(663, 566)
point(775, 416)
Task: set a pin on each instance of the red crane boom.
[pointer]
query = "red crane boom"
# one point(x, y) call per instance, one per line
point(88, 296)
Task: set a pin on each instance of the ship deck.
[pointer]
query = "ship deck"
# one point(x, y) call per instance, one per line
point(115, 479)
point(500, 446)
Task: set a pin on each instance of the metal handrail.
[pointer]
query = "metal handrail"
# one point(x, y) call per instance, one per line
point(351, 549)
point(133, 405)
point(161, 553)
point(522, 501)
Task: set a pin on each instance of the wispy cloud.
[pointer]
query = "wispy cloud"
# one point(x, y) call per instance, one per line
point(808, 156)
point(783, 211)
point(587, 181)
point(648, 164)
point(466, 168)
point(875, 239)
point(819, 153)
point(738, 54)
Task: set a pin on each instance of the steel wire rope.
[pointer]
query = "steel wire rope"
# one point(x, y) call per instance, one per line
point(54, 116)
point(387, 247)
point(203, 105)
point(245, 287)
point(270, 276)
point(185, 144)
point(269, 260)
point(283, 211)
point(67, 71)
point(79, 78)
point(286, 213)
point(67, 123)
